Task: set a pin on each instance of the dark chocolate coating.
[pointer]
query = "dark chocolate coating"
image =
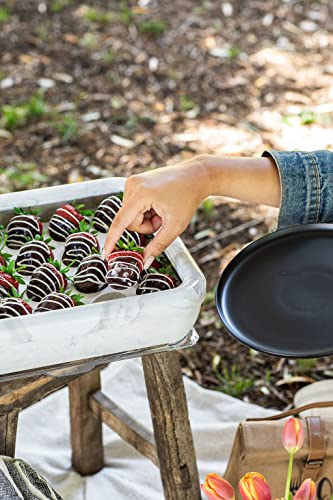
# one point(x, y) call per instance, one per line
point(46, 279)
point(60, 228)
point(12, 307)
point(77, 247)
point(154, 282)
point(55, 301)
point(32, 255)
point(123, 274)
point(20, 229)
point(90, 276)
point(104, 215)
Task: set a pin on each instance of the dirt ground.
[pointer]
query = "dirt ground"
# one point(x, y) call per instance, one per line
point(107, 88)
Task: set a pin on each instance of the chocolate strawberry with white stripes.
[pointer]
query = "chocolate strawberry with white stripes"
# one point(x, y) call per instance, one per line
point(23, 226)
point(11, 307)
point(66, 219)
point(79, 245)
point(90, 276)
point(58, 300)
point(155, 282)
point(46, 279)
point(104, 215)
point(33, 254)
point(9, 280)
point(124, 268)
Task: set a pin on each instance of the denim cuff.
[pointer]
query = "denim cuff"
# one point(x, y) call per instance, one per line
point(306, 180)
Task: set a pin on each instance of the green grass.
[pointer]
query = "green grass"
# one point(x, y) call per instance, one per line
point(208, 208)
point(23, 176)
point(126, 15)
point(307, 117)
point(58, 5)
point(152, 27)
point(89, 41)
point(17, 115)
point(185, 103)
point(4, 14)
point(306, 364)
point(232, 381)
point(97, 16)
point(67, 127)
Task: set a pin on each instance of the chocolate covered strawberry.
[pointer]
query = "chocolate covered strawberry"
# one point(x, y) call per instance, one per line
point(155, 282)
point(33, 254)
point(9, 280)
point(58, 300)
point(14, 306)
point(79, 245)
point(90, 276)
point(46, 279)
point(22, 227)
point(104, 215)
point(124, 269)
point(66, 219)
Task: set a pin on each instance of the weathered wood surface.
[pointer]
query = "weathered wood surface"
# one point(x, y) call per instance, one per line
point(8, 430)
point(86, 428)
point(129, 429)
point(174, 442)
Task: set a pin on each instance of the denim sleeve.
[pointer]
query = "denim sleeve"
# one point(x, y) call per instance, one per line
point(306, 186)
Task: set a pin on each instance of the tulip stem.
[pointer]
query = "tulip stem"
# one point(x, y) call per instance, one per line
point(290, 468)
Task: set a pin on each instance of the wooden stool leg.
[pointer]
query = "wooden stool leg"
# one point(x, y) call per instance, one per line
point(8, 429)
point(86, 428)
point(173, 435)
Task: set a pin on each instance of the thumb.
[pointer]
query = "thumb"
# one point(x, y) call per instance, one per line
point(160, 242)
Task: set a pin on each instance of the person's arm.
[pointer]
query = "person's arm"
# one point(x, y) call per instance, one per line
point(165, 199)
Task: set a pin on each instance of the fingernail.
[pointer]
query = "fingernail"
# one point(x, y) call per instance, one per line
point(148, 263)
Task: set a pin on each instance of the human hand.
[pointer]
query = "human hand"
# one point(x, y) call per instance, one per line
point(162, 200)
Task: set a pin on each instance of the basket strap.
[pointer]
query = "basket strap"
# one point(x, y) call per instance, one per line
point(293, 411)
point(316, 455)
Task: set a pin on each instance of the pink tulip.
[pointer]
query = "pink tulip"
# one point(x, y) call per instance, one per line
point(307, 491)
point(253, 486)
point(217, 488)
point(293, 435)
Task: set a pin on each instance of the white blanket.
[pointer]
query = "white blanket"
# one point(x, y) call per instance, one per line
point(43, 438)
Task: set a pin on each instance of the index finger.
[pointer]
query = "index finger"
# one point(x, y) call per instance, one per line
point(122, 220)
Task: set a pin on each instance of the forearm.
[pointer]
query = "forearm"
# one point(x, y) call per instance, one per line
point(254, 180)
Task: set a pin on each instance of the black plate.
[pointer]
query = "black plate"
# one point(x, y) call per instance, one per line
point(276, 295)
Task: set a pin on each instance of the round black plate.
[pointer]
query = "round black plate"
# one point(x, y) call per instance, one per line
point(276, 295)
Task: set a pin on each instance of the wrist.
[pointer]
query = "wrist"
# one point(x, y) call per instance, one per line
point(212, 171)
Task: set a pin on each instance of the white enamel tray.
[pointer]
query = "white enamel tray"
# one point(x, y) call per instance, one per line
point(123, 327)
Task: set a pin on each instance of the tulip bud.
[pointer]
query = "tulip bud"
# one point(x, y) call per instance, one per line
point(253, 486)
point(307, 491)
point(293, 435)
point(217, 488)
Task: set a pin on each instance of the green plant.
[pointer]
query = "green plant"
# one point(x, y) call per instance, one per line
point(4, 14)
point(208, 208)
point(68, 127)
point(96, 16)
point(89, 41)
point(58, 5)
point(16, 115)
point(186, 104)
point(23, 176)
point(232, 381)
point(126, 15)
point(306, 364)
point(307, 117)
point(152, 27)
point(233, 52)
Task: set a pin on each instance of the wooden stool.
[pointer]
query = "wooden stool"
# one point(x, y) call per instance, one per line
point(170, 447)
